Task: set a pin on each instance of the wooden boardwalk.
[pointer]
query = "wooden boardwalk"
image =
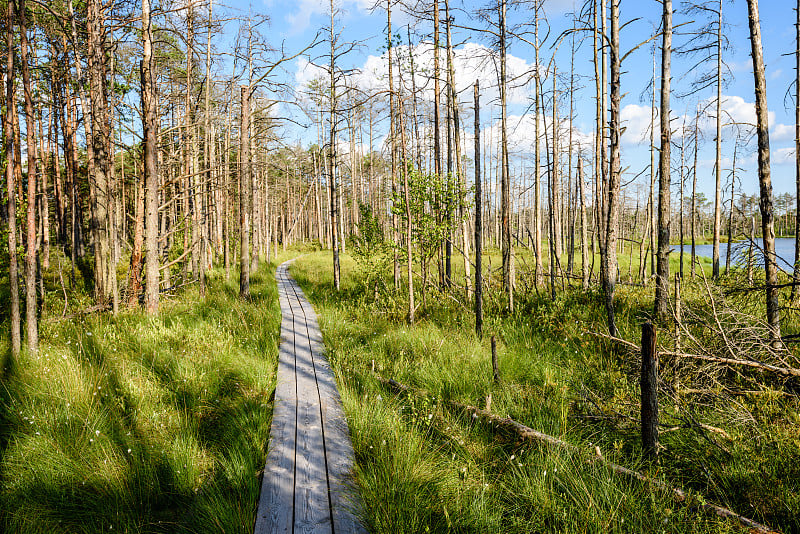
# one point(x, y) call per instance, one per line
point(307, 485)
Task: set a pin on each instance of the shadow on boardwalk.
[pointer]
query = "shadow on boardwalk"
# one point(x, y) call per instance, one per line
point(307, 485)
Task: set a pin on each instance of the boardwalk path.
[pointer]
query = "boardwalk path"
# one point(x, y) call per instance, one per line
point(307, 485)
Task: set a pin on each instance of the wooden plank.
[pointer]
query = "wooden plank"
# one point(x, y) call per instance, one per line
point(276, 503)
point(307, 485)
point(338, 447)
point(312, 507)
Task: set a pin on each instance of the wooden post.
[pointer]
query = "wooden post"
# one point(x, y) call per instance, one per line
point(649, 384)
point(495, 366)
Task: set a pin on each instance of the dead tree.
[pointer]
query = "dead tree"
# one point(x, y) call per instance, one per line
point(31, 326)
point(764, 175)
point(10, 148)
point(151, 181)
point(662, 264)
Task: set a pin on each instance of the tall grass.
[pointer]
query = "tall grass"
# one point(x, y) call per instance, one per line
point(142, 424)
point(425, 468)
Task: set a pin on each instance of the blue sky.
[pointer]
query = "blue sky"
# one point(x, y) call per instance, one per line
point(295, 23)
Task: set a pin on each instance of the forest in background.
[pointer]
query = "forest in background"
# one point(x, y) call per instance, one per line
point(129, 149)
point(148, 176)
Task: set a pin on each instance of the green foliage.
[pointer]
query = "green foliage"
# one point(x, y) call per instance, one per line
point(434, 202)
point(423, 467)
point(372, 253)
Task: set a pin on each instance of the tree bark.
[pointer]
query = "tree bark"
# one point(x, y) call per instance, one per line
point(694, 188)
point(796, 273)
point(478, 217)
point(764, 174)
point(718, 148)
point(151, 182)
point(537, 194)
point(451, 74)
point(505, 189)
point(10, 148)
point(245, 194)
point(610, 263)
point(393, 145)
point(662, 267)
point(99, 177)
point(584, 239)
point(31, 326)
point(333, 185)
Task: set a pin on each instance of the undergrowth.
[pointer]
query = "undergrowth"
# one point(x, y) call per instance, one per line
point(142, 424)
point(423, 467)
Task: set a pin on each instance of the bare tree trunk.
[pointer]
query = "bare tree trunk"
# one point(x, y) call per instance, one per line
point(478, 218)
point(10, 148)
point(662, 268)
point(245, 194)
point(451, 74)
point(151, 182)
point(31, 326)
point(537, 194)
point(393, 144)
point(694, 188)
point(505, 189)
point(409, 226)
point(730, 213)
point(764, 174)
point(681, 224)
point(570, 205)
point(652, 200)
point(204, 224)
point(333, 185)
point(555, 176)
point(614, 175)
point(796, 274)
point(99, 178)
point(599, 62)
point(584, 239)
point(134, 272)
point(44, 208)
point(718, 147)
point(226, 176)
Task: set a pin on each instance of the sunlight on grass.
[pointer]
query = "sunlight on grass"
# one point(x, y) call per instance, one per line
point(422, 467)
point(143, 424)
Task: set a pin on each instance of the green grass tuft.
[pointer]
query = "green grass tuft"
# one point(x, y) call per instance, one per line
point(143, 424)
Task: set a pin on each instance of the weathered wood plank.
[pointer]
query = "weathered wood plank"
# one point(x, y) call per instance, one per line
point(312, 507)
point(307, 484)
point(276, 503)
point(338, 448)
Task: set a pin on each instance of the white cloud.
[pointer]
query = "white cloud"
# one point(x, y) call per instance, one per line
point(307, 72)
point(471, 62)
point(784, 156)
point(734, 110)
point(636, 121)
point(782, 132)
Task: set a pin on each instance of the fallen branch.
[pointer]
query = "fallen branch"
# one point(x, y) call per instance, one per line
point(527, 433)
point(785, 371)
point(80, 313)
point(632, 346)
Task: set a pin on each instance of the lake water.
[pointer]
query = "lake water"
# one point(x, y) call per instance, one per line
point(784, 248)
